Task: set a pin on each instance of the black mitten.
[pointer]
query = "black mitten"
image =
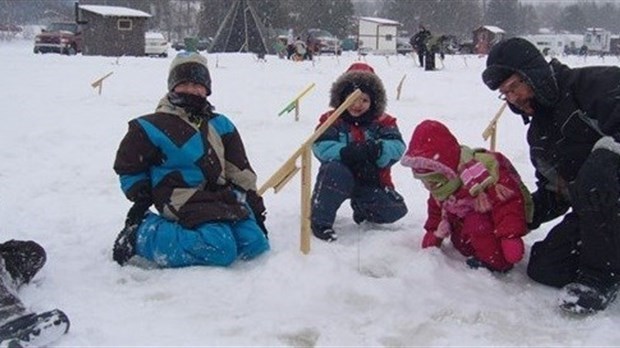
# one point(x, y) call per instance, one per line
point(548, 205)
point(135, 215)
point(258, 208)
point(143, 199)
point(597, 188)
point(360, 152)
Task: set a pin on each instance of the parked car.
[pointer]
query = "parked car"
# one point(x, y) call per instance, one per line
point(403, 46)
point(59, 37)
point(349, 44)
point(322, 41)
point(155, 44)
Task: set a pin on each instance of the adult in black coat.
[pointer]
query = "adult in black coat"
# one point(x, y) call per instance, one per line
point(574, 139)
point(418, 41)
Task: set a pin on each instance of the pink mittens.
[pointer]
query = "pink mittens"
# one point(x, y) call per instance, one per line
point(430, 240)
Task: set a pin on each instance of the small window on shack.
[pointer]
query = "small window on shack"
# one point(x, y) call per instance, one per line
point(124, 24)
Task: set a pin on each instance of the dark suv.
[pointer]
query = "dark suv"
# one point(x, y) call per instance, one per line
point(63, 38)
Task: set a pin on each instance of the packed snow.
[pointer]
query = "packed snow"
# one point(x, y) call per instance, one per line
point(375, 286)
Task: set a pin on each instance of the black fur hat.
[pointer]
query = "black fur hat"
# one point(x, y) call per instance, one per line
point(189, 67)
point(365, 79)
point(517, 55)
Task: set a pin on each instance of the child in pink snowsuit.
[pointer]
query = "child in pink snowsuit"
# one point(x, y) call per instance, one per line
point(476, 198)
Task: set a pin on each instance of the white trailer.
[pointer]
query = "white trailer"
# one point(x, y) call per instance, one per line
point(556, 44)
point(377, 35)
point(597, 40)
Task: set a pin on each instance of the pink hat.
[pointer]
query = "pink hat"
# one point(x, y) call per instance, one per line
point(433, 149)
point(360, 66)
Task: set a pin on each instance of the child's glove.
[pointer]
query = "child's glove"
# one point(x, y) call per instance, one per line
point(431, 240)
point(358, 152)
point(475, 177)
point(513, 249)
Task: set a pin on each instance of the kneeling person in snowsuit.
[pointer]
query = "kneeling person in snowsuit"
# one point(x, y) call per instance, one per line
point(356, 153)
point(190, 162)
point(574, 139)
point(476, 198)
point(19, 263)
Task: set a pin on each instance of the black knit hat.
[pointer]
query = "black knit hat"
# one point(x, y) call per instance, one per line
point(517, 55)
point(189, 67)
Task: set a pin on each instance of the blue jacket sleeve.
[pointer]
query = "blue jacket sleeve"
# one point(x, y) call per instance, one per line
point(393, 146)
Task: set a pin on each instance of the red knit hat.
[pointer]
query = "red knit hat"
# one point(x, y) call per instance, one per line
point(433, 149)
point(360, 66)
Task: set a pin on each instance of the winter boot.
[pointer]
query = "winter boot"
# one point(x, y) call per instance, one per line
point(358, 217)
point(324, 233)
point(34, 330)
point(125, 244)
point(474, 263)
point(586, 297)
point(22, 259)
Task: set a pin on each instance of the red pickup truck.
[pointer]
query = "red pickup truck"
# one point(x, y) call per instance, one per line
point(63, 38)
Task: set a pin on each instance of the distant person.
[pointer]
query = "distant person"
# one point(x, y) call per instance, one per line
point(301, 50)
point(290, 43)
point(573, 115)
point(356, 154)
point(20, 261)
point(477, 199)
point(190, 163)
point(418, 41)
point(433, 46)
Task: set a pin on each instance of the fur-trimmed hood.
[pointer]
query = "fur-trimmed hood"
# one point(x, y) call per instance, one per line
point(366, 81)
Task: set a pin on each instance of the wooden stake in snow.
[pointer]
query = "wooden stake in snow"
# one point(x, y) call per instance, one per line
point(294, 104)
point(491, 130)
point(99, 81)
point(288, 170)
point(400, 86)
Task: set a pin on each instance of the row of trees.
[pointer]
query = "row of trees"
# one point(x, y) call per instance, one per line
point(203, 17)
point(515, 17)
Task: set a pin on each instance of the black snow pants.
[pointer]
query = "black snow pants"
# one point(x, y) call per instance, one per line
point(335, 183)
point(580, 245)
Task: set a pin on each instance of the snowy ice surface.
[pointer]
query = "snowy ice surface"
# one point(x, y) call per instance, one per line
point(374, 287)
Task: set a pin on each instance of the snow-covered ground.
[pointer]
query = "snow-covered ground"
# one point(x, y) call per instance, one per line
point(374, 287)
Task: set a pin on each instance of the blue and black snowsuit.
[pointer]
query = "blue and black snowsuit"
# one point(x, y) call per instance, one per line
point(195, 170)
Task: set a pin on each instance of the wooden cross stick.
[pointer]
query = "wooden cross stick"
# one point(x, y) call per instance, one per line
point(400, 86)
point(99, 81)
point(294, 104)
point(288, 170)
point(491, 129)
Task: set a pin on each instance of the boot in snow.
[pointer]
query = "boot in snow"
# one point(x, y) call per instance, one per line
point(34, 330)
point(125, 245)
point(583, 298)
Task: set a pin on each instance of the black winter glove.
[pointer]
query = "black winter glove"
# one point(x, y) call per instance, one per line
point(360, 152)
point(597, 188)
point(258, 208)
point(143, 199)
point(547, 206)
point(135, 215)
